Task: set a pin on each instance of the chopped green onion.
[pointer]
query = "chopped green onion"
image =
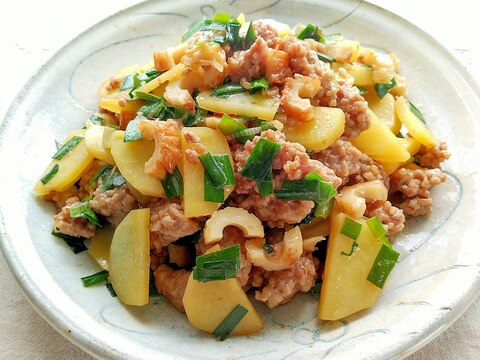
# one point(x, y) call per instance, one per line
point(132, 132)
point(173, 184)
point(67, 147)
point(223, 32)
point(258, 85)
point(134, 80)
point(97, 120)
point(82, 210)
point(325, 58)
point(351, 229)
point(258, 166)
point(229, 125)
point(112, 181)
point(249, 133)
point(192, 29)
point(376, 227)
point(95, 278)
point(50, 174)
point(218, 265)
point(128, 81)
point(110, 289)
point(382, 266)
point(146, 96)
point(227, 90)
point(250, 37)
point(315, 289)
point(230, 322)
point(192, 119)
point(218, 168)
point(268, 248)
point(362, 90)
point(105, 169)
point(324, 209)
point(222, 17)
point(383, 88)
point(311, 32)
point(152, 109)
point(326, 192)
point(76, 244)
point(303, 189)
point(416, 112)
point(211, 192)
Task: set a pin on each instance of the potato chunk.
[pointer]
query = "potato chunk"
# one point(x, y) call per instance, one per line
point(99, 247)
point(258, 105)
point(130, 158)
point(95, 145)
point(129, 266)
point(207, 304)
point(70, 167)
point(326, 127)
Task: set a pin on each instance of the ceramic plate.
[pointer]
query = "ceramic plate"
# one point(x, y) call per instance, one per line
point(438, 273)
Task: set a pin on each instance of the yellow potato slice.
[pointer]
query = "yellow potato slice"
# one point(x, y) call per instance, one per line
point(99, 247)
point(94, 136)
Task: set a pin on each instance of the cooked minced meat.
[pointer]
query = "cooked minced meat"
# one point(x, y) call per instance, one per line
point(172, 284)
point(77, 227)
point(169, 223)
point(433, 157)
point(114, 204)
point(388, 214)
point(282, 285)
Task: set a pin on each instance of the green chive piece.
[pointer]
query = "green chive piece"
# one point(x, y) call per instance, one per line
point(95, 278)
point(67, 147)
point(97, 120)
point(192, 29)
point(50, 174)
point(258, 166)
point(230, 322)
point(146, 96)
point(82, 210)
point(110, 289)
point(325, 58)
point(222, 17)
point(416, 112)
point(327, 190)
point(383, 88)
point(351, 229)
point(268, 248)
point(128, 82)
point(229, 125)
point(376, 227)
point(362, 90)
point(258, 85)
point(152, 109)
point(113, 181)
point(382, 266)
point(311, 32)
point(218, 168)
point(211, 192)
point(303, 189)
point(132, 132)
point(250, 37)
point(173, 184)
point(227, 90)
point(218, 265)
point(76, 244)
point(324, 209)
point(315, 289)
point(249, 133)
point(192, 119)
point(105, 169)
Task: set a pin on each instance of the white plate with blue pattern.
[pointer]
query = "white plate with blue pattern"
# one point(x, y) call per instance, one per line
point(436, 279)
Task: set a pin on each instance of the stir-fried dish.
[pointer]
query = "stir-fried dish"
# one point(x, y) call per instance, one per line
point(251, 158)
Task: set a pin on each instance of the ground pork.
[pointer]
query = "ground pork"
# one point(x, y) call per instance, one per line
point(432, 157)
point(114, 204)
point(350, 164)
point(268, 33)
point(413, 184)
point(388, 214)
point(282, 285)
point(195, 147)
point(169, 223)
point(249, 64)
point(77, 227)
point(172, 284)
point(59, 199)
point(355, 108)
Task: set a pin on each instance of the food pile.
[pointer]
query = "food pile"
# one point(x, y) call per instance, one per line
point(250, 157)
